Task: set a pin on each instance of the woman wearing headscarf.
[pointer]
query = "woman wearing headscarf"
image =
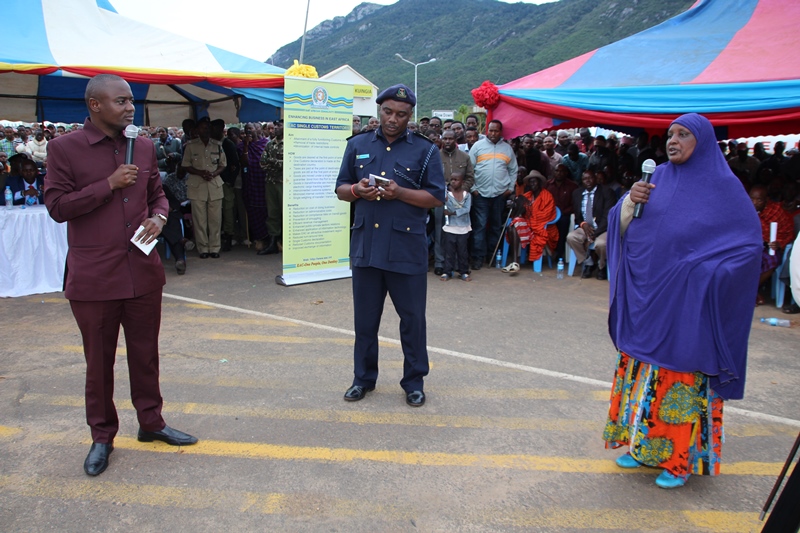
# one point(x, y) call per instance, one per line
point(682, 282)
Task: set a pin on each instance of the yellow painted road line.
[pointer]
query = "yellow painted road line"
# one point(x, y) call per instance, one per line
point(299, 505)
point(440, 392)
point(764, 417)
point(311, 505)
point(629, 519)
point(6, 432)
point(346, 417)
point(570, 465)
point(387, 418)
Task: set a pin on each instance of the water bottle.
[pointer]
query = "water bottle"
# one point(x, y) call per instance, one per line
point(9, 198)
point(499, 259)
point(560, 269)
point(782, 322)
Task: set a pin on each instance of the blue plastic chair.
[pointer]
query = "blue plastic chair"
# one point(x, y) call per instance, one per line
point(778, 286)
point(537, 265)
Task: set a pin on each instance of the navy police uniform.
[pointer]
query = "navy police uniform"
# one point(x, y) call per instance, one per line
point(389, 249)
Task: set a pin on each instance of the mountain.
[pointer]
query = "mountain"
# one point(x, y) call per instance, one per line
point(472, 40)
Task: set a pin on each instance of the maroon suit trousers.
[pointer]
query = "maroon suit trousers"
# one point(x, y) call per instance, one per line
point(99, 323)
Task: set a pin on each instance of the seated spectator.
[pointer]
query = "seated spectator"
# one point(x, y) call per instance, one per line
point(28, 184)
point(540, 209)
point(4, 167)
point(591, 204)
point(518, 235)
point(769, 212)
point(576, 162)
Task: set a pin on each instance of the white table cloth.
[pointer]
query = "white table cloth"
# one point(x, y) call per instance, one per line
point(33, 251)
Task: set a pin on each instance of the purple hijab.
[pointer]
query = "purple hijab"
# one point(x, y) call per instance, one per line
point(684, 276)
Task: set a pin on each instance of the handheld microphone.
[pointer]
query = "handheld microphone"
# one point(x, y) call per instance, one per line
point(131, 132)
point(648, 167)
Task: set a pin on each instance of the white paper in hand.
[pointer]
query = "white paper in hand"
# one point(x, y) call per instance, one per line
point(146, 248)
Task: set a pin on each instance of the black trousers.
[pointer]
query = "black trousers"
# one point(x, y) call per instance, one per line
point(173, 234)
point(408, 293)
point(456, 255)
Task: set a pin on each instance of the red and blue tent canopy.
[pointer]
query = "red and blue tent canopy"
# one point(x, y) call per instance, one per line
point(53, 47)
point(734, 62)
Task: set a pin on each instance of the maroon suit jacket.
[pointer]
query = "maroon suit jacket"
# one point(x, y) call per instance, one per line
point(102, 263)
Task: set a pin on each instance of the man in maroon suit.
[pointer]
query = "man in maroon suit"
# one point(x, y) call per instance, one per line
point(109, 281)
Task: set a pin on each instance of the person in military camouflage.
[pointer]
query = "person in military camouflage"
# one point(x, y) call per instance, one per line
point(272, 163)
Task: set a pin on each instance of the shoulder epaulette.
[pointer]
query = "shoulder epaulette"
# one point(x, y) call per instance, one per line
point(359, 133)
point(421, 135)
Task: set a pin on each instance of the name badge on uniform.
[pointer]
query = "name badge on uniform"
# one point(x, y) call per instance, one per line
point(362, 156)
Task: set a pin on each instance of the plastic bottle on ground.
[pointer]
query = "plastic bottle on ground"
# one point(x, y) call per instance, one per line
point(782, 322)
point(560, 269)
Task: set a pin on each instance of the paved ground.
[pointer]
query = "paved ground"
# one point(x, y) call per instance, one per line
point(508, 441)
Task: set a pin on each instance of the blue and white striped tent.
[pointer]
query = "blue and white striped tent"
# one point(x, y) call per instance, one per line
point(54, 46)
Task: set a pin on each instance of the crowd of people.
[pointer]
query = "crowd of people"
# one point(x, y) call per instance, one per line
point(551, 193)
point(546, 192)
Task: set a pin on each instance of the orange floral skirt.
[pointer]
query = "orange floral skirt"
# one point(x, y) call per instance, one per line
point(670, 420)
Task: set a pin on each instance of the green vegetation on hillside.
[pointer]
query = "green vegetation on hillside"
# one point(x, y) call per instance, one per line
point(473, 40)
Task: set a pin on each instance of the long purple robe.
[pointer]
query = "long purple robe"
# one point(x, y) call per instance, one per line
point(684, 276)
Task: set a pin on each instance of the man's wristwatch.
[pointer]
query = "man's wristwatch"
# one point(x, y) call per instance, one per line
point(162, 217)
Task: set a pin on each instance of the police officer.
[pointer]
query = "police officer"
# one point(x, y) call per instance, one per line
point(388, 246)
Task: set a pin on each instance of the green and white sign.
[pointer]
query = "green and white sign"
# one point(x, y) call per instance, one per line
point(318, 119)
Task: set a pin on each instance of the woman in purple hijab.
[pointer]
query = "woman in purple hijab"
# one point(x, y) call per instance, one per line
point(683, 281)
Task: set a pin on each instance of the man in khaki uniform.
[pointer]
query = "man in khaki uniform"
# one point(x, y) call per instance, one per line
point(204, 160)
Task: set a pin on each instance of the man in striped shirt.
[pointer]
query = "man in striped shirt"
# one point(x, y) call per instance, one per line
point(495, 173)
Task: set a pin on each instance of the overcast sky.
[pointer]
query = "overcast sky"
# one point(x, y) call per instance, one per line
point(253, 28)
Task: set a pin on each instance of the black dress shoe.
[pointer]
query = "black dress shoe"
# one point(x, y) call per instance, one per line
point(415, 398)
point(476, 265)
point(214, 255)
point(438, 271)
point(226, 243)
point(97, 460)
point(586, 272)
point(602, 274)
point(168, 435)
point(356, 392)
point(204, 256)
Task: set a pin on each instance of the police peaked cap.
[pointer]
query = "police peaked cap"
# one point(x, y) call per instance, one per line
point(398, 92)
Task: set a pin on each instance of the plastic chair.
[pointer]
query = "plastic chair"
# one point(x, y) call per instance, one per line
point(778, 286)
point(537, 265)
